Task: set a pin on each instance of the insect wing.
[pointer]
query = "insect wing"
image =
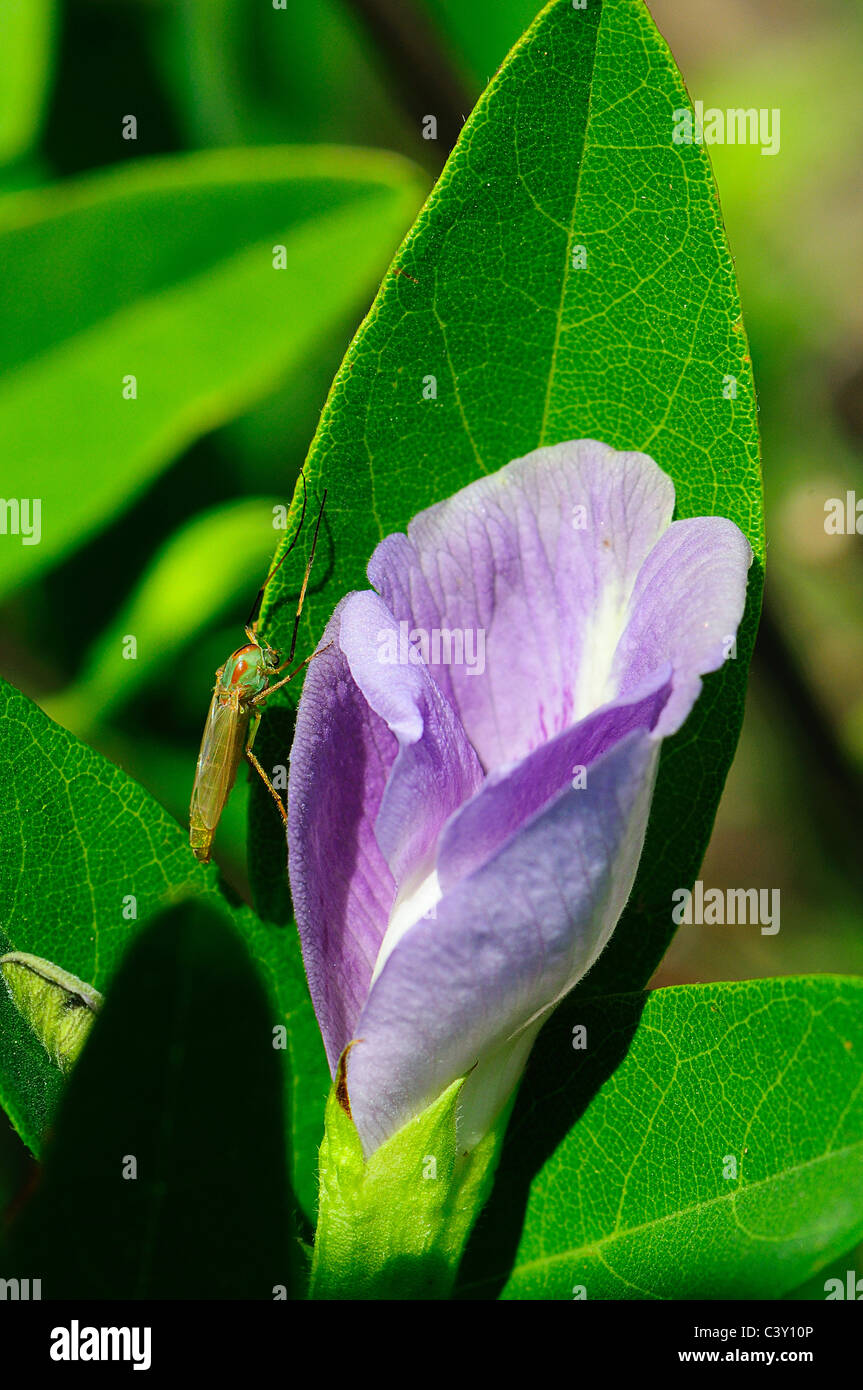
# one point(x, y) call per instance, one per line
point(221, 750)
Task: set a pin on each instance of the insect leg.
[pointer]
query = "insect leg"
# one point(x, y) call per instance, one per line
point(268, 784)
point(302, 597)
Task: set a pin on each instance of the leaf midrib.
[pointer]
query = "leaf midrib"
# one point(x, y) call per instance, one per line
point(567, 267)
point(594, 1247)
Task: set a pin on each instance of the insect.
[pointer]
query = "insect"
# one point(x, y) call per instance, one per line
point(242, 686)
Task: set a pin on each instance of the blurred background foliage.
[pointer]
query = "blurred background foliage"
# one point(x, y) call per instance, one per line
point(169, 527)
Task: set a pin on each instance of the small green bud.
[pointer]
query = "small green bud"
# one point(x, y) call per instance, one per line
point(394, 1226)
point(58, 1006)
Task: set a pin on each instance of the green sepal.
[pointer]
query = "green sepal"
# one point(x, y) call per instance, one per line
point(394, 1226)
point(58, 1006)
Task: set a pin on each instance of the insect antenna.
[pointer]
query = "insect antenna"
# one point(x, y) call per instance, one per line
point(305, 584)
point(252, 620)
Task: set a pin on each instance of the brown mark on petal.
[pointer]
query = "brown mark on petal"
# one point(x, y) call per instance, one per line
point(342, 1096)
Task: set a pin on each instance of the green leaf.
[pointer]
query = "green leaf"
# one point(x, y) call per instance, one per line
point(216, 557)
point(617, 1155)
point(166, 1175)
point(571, 145)
point(83, 847)
point(843, 1268)
point(165, 272)
point(250, 74)
point(26, 38)
point(306, 1075)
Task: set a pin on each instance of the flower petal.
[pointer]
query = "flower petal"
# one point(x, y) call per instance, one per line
point(685, 609)
point(541, 557)
point(341, 884)
point(509, 798)
point(436, 769)
point(466, 990)
point(379, 762)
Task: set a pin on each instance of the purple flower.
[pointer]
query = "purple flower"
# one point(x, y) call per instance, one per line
point(474, 762)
